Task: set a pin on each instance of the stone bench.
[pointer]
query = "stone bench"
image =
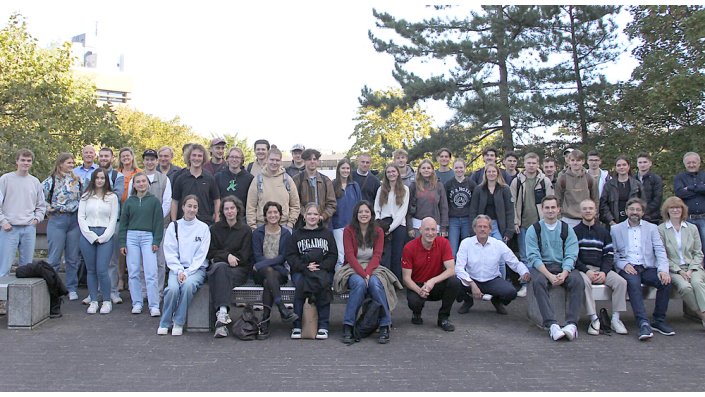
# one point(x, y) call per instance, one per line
point(558, 298)
point(27, 301)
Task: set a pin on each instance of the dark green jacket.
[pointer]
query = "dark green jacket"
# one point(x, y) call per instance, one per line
point(144, 214)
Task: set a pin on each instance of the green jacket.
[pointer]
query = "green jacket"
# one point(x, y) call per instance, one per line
point(144, 214)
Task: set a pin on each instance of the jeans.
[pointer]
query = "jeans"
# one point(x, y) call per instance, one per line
point(97, 257)
point(700, 223)
point(113, 265)
point(574, 288)
point(647, 276)
point(358, 290)
point(22, 237)
point(338, 235)
point(139, 247)
point(458, 229)
point(393, 248)
point(63, 235)
point(178, 296)
point(496, 234)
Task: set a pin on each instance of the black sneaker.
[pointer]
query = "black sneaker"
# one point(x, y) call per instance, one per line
point(416, 318)
point(498, 306)
point(645, 332)
point(466, 306)
point(383, 335)
point(446, 325)
point(663, 328)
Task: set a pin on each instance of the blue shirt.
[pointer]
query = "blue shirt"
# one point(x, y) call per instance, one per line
point(85, 173)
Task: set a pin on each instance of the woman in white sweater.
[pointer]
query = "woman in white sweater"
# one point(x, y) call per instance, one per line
point(97, 217)
point(391, 203)
point(186, 245)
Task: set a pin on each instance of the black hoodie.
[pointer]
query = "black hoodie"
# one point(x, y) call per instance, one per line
point(312, 245)
point(235, 240)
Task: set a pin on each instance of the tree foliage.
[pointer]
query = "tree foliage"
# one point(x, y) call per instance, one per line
point(43, 107)
point(380, 133)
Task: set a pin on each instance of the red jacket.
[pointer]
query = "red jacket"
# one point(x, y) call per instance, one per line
point(350, 244)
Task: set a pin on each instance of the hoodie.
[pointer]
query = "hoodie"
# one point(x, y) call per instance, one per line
point(143, 214)
point(273, 188)
point(571, 189)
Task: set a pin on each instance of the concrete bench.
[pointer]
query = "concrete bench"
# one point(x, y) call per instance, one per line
point(252, 293)
point(558, 298)
point(27, 301)
point(200, 316)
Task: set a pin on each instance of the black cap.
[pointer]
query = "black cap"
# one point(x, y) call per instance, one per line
point(150, 152)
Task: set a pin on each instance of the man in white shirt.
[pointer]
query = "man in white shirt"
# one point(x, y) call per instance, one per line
point(477, 267)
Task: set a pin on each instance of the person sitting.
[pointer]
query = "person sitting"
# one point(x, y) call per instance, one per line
point(362, 274)
point(269, 242)
point(312, 254)
point(230, 254)
point(685, 255)
point(185, 249)
point(477, 267)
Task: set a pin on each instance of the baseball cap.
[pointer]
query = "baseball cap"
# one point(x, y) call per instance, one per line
point(216, 141)
point(298, 146)
point(567, 151)
point(150, 152)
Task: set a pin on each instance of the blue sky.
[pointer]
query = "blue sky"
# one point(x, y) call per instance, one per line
point(290, 72)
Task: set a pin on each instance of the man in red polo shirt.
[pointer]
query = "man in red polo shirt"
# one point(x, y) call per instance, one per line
point(428, 271)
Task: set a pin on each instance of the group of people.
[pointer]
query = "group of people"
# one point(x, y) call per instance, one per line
point(440, 233)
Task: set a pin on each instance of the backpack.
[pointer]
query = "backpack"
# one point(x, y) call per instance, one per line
point(564, 233)
point(260, 180)
point(605, 322)
point(368, 320)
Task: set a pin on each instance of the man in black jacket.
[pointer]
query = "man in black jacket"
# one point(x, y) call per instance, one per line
point(369, 184)
point(653, 188)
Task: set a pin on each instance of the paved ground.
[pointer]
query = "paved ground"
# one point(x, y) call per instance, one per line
point(487, 352)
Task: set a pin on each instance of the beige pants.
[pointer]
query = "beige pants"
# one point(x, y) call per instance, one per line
point(693, 292)
point(612, 280)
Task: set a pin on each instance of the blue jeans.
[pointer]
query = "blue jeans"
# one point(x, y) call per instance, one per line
point(22, 237)
point(458, 229)
point(358, 291)
point(496, 234)
point(391, 256)
point(139, 251)
point(178, 296)
point(97, 258)
point(700, 223)
point(63, 235)
point(647, 276)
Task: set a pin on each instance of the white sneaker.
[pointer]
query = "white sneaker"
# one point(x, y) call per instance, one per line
point(86, 300)
point(136, 309)
point(222, 318)
point(487, 297)
point(555, 332)
point(73, 296)
point(522, 291)
point(154, 312)
point(106, 308)
point(92, 308)
point(594, 327)
point(296, 333)
point(570, 331)
point(116, 299)
point(322, 334)
point(618, 327)
point(177, 330)
point(162, 331)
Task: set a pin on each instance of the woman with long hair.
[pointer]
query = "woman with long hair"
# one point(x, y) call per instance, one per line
point(459, 190)
point(97, 219)
point(186, 244)
point(62, 190)
point(617, 191)
point(427, 198)
point(141, 230)
point(347, 195)
point(312, 253)
point(685, 256)
point(269, 243)
point(391, 204)
point(362, 275)
point(494, 198)
point(127, 166)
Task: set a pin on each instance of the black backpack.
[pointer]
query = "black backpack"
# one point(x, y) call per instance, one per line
point(564, 233)
point(368, 320)
point(247, 326)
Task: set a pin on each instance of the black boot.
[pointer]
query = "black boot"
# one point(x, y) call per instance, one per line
point(348, 334)
point(383, 334)
point(264, 326)
point(55, 307)
point(287, 315)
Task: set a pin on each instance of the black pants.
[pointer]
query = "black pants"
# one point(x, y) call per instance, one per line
point(501, 290)
point(271, 280)
point(446, 291)
point(222, 279)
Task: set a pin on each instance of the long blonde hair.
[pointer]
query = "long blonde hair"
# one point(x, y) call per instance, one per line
point(500, 178)
point(56, 173)
point(421, 182)
point(399, 190)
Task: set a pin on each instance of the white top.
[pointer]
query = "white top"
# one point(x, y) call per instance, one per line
point(98, 212)
point(478, 262)
point(634, 254)
point(390, 208)
point(677, 234)
point(188, 254)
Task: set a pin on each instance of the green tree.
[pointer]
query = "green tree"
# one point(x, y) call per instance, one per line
point(489, 52)
point(43, 107)
point(576, 88)
point(380, 134)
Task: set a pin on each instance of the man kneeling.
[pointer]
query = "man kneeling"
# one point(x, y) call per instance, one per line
point(477, 267)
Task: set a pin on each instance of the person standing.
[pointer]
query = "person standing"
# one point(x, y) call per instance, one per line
point(653, 188)
point(391, 204)
point(62, 190)
point(22, 207)
point(459, 191)
point(444, 173)
point(689, 186)
point(262, 148)
point(86, 168)
point(549, 169)
point(427, 198)
point(217, 163)
point(599, 175)
point(297, 163)
point(201, 184)
point(574, 185)
point(347, 195)
point(128, 169)
point(401, 158)
point(273, 184)
point(97, 219)
point(166, 154)
point(234, 180)
point(369, 184)
point(617, 191)
point(510, 162)
point(314, 187)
